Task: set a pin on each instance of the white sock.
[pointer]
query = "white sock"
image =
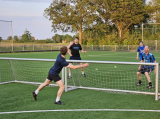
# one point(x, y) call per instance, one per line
point(69, 74)
point(82, 72)
point(57, 99)
point(37, 91)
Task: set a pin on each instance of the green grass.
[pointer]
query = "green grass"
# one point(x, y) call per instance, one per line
point(17, 97)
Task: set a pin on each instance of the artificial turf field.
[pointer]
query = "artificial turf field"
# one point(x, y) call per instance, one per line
point(17, 97)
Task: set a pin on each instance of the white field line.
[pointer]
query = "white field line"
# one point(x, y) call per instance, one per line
point(81, 110)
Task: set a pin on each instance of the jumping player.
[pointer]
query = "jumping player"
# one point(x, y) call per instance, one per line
point(53, 74)
point(147, 57)
point(140, 50)
point(74, 55)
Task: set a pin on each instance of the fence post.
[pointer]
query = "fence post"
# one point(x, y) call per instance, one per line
point(33, 47)
point(128, 47)
point(23, 47)
point(103, 47)
point(51, 47)
point(115, 47)
point(42, 47)
point(156, 44)
point(92, 47)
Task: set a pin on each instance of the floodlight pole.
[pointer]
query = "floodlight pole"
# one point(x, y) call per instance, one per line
point(12, 35)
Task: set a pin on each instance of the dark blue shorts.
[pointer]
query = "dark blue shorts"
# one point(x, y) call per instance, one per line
point(145, 69)
point(54, 78)
point(74, 58)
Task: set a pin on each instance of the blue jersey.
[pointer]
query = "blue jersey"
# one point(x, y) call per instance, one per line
point(58, 65)
point(140, 50)
point(148, 59)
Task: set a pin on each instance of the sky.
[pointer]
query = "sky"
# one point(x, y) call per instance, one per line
point(26, 14)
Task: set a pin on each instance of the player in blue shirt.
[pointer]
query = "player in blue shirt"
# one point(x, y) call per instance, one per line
point(147, 57)
point(140, 50)
point(53, 74)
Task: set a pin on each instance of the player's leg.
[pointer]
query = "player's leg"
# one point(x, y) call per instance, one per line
point(60, 91)
point(149, 80)
point(70, 75)
point(139, 79)
point(47, 82)
point(82, 69)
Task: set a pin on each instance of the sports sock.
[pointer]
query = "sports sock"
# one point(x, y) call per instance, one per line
point(140, 81)
point(70, 74)
point(150, 84)
point(37, 91)
point(82, 72)
point(57, 99)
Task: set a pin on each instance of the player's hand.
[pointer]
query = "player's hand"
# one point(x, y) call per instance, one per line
point(139, 68)
point(86, 65)
point(137, 58)
point(154, 71)
point(84, 51)
point(70, 55)
point(71, 43)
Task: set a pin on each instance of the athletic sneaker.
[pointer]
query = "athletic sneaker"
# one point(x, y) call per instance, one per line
point(84, 75)
point(138, 84)
point(34, 96)
point(59, 103)
point(149, 87)
point(69, 77)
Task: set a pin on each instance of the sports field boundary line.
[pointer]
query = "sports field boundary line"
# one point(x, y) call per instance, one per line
point(81, 110)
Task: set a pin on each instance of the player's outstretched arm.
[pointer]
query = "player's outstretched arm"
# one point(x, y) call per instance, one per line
point(77, 66)
point(83, 51)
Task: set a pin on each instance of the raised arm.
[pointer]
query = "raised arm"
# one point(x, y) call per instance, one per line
point(77, 66)
point(71, 43)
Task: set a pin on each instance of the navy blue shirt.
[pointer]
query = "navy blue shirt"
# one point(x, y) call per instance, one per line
point(148, 59)
point(58, 65)
point(140, 50)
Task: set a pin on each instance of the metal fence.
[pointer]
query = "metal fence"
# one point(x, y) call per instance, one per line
point(153, 44)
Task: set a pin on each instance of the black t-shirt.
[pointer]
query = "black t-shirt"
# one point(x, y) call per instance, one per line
point(75, 49)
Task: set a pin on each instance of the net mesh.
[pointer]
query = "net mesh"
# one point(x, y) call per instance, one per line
point(106, 76)
point(111, 76)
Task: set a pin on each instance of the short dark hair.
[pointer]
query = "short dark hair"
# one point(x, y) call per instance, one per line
point(63, 50)
point(77, 38)
point(140, 42)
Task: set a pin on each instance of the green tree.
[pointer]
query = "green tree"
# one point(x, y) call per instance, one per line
point(26, 37)
point(1, 39)
point(15, 38)
point(123, 13)
point(9, 38)
point(75, 16)
point(154, 10)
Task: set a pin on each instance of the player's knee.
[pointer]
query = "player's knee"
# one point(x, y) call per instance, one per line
point(62, 87)
point(146, 73)
point(138, 73)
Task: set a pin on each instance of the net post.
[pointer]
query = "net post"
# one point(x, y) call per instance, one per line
point(63, 74)
point(12, 70)
point(156, 86)
point(65, 79)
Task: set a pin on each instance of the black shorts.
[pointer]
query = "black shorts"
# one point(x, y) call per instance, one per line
point(54, 78)
point(74, 58)
point(145, 69)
